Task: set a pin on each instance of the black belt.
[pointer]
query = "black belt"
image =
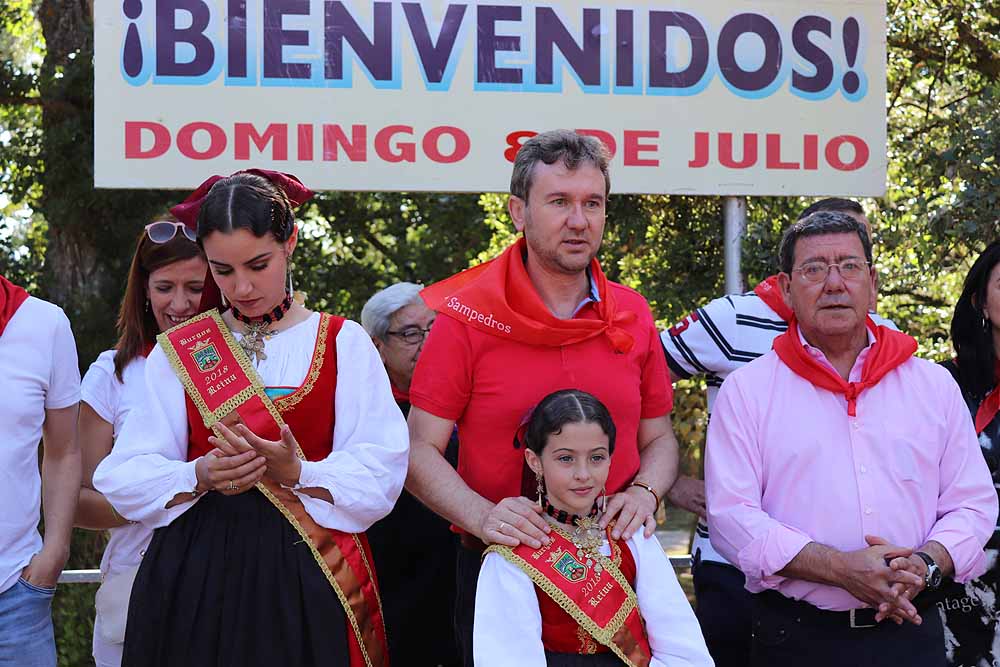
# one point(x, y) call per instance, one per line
point(803, 612)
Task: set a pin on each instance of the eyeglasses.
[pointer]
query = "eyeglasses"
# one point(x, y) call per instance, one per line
point(162, 231)
point(411, 335)
point(850, 269)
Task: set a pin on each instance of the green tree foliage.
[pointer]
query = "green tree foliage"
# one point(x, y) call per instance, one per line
point(71, 243)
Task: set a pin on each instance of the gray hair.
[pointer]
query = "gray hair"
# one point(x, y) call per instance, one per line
point(822, 222)
point(564, 146)
point(383, 305)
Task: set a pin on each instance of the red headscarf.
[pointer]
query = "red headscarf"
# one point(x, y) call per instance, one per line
point(187, 212)
point(11, 298)
point(497, 297)
point(891, 349)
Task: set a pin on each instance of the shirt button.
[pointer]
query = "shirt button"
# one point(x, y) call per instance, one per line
point(856, 426)
point(868, 510)
point(863, 470)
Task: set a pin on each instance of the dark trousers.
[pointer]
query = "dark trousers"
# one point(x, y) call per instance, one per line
point(467, 566)
point(723, 607)
point(787, 632)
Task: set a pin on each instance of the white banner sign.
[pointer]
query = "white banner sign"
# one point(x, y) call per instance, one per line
point(773, 97)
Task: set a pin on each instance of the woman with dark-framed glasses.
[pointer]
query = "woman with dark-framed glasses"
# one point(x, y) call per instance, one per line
point(414, 549)
point(164, 288)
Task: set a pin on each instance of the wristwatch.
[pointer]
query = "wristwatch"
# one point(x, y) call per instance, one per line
point(932, 579)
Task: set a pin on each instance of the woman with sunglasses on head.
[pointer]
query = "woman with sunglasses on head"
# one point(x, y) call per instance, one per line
point(164, 288)
point(970, 611)
point(268, 443)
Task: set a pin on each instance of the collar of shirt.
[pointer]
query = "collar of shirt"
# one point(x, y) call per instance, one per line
point(859, 363)
point(593, 297)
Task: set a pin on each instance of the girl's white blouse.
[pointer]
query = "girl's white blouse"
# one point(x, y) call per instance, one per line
point(364, 473)
point(508, 624)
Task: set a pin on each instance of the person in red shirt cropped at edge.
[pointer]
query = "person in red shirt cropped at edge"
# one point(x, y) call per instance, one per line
point(540, 317)
point(843, 474)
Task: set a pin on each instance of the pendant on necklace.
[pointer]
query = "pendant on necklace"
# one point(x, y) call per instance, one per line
point(587, 538)
point(253, 341)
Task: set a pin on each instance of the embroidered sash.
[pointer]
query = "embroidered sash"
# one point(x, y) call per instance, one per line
point(222, 384)
point(604, 604)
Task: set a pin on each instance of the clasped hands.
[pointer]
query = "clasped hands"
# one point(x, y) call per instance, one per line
point(885, 576)
point(514, 521)
point(241, 459)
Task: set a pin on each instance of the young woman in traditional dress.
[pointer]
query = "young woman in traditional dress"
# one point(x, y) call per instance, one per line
point(971, 611)
point(268, 443)
point(163, 289)
point(583, 600)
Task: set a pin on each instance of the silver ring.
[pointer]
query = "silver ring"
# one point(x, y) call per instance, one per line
point(502, 524)
point(233, 485)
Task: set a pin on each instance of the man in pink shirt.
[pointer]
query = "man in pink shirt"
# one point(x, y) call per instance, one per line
point(843, 475)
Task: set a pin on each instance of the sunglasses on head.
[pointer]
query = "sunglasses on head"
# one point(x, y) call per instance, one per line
point(163, 231)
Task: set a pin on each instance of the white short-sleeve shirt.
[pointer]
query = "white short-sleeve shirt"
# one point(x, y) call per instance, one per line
point(113, 401)
point(38, 364)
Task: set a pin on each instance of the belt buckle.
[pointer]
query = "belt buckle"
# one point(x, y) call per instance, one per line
point(855, 624)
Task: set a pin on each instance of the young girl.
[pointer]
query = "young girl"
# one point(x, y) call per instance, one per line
point(584, 599)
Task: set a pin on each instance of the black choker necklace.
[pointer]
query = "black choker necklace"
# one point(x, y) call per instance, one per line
point(257, 329)
point(267, 318)
point(562, 516)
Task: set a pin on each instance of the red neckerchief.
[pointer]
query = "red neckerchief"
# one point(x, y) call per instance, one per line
point(11, 298)
point(991, 404)
point(770, 293)
point(497, 297)
point(400, 395)
point(891, 348)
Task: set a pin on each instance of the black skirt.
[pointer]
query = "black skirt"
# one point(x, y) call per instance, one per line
point(577, 660)
point(231, 584)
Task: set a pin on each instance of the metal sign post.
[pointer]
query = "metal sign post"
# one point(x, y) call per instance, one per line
point(734, 220)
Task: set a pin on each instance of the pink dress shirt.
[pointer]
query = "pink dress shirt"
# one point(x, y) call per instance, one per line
point(785, 465)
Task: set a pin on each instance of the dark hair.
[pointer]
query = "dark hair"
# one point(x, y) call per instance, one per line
point(564, 146)
point(823, 222)
point(246, 201)
point(836, 204)
point(568, 406)
point(972, 339)
point(136, 325)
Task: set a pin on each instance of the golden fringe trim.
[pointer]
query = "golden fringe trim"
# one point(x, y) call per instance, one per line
point(371, 575)
point(603, 635)
point(286, 403)
point(348, 611)
point(175, 362)
point(210, 420)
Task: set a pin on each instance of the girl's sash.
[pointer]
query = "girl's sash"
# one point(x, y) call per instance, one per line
point(603, 603)
point(222, 384)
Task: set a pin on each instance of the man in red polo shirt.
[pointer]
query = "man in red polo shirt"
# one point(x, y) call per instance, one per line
point(540, 317)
